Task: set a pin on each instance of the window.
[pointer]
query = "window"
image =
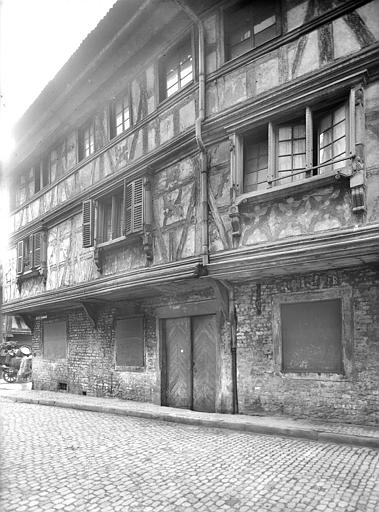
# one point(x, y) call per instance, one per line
point(110, 217)
point(120, 213)
point(312, 332)
point(129, 342)
point(120, 116)
point(87, 140)
point(250, 24)
point(283, 153)
point(31, 252)
point(54, 340)
point(176, 69)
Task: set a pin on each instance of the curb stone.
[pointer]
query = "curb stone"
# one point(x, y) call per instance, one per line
point(303, 433)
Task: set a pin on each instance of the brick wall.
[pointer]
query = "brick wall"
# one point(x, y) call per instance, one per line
point(262, 390)
point(89, 367)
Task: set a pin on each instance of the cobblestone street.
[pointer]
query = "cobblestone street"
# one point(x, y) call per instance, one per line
point(63, 459)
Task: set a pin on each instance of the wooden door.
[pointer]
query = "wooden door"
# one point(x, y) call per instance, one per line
point(178, 368)
point(204, 363)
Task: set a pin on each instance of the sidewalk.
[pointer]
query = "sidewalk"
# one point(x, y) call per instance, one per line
point(357, 435)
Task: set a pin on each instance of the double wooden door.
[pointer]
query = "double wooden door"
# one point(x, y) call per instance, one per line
point(189, 365)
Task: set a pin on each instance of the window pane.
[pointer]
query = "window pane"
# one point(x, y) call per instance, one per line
point(285, 148)
point(285, 132)
point(339, 130)
point(285, 162)
point(325, 154)
point(256, 158)
point(339, 114)
point(325, 138)
point(299, 161)
point(172, 78)
point(299, 146)
point(325, 123)
point(339, 148)
point(299, 131)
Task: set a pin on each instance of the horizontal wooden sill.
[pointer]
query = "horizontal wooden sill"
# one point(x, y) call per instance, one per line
point(121, 240)
point(278, 191)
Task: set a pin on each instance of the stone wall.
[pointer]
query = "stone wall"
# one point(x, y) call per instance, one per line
point(262, 390)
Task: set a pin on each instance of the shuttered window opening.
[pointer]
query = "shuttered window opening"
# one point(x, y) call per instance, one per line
point(118, 214)
point(88, 223)
point(311, 145)
point(54, 340)
point(312, 337)
point(130, 342)
point(31, 252)
point(133, 201)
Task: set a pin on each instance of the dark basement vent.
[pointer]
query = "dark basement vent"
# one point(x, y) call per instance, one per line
point(62, 386)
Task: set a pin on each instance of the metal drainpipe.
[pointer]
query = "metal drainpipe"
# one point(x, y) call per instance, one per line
point(198, 135)
point(204, 198)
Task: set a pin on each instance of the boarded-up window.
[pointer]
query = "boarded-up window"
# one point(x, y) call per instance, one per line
point(129, 342)
point(54, 340)
point(312, 336)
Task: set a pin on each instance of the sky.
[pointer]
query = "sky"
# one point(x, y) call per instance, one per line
point(36, 38)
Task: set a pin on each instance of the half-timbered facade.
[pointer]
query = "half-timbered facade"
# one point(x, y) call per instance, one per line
point(195, 210)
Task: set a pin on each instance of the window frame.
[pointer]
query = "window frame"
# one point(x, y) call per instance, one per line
point(53, 323)
point(31, 254)
point(135, 367)
point(344, 294)
point(311, 172)
point(234, 8)
point(124, 98)
point(93, 214)
point(90, 127)
point(172, 54)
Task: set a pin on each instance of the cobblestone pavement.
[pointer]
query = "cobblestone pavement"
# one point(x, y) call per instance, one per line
point(56, 459)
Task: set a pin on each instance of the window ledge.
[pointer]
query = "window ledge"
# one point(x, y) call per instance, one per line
point(29, 274)
point(136, 369)
point(279, 191)
point(321, 376)
point(116, 242)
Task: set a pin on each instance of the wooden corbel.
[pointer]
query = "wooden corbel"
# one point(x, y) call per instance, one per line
point(235, 219)
point(357, 186)
point(29, 320)
point(98, 258)
point(147, 243)
point(92, 311)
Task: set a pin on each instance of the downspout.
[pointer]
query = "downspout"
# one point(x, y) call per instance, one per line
point(199, 140)
point(202, 271)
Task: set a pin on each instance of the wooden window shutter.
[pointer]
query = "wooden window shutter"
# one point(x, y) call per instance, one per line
point(37, 249)
point(28, 262)
point(88, 223)
point(128, 202)
point(129, 337)
point(133, 201)
point(138, 205)
point(20, 257)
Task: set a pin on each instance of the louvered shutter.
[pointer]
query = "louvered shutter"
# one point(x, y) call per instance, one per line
point(133, 200)
point(37, 250)
point(128, 202)
point(88, 223)
point(20, 257)
point(138, 205)
point(28, 258)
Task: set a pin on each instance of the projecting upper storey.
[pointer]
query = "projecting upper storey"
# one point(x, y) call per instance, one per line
point(117, 110)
